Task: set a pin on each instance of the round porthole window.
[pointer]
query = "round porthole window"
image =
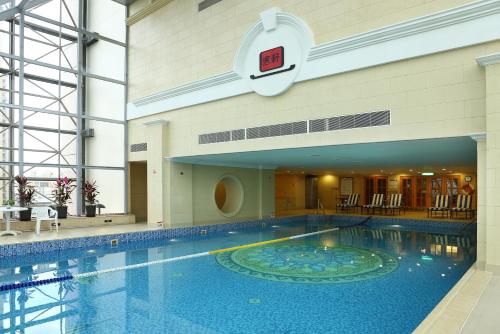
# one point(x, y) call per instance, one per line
point(228, 195)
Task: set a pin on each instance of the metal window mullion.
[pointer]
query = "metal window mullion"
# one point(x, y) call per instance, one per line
point(12, 81)
point(125, 130)
point(81, 31)
point(21, 95)
point(79, 110)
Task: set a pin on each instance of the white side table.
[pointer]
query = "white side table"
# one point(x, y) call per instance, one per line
point(6, 218)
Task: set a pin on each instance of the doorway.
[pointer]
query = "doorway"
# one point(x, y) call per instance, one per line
point(421, 191)
point(138, 194)
point(375, 185)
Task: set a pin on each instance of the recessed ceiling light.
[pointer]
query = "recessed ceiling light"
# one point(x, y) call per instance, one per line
point(428, 173)
point(443, 169)
point(411, 170)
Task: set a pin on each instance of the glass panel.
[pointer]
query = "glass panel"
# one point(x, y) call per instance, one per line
point(111, 185)
point(407, 185)
point(437, 184)
point(452, 189)
point(421, 192)
point(370, 186)
point(382, 186)
point(108, 137)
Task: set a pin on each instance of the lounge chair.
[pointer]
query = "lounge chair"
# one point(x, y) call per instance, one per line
point(352, 202)
point(44, 213)
point(377, 203)
point(441, 205)
point(395, 203)
point(464, 204)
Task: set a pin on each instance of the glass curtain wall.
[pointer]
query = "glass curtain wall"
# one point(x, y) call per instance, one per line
point(62, 98)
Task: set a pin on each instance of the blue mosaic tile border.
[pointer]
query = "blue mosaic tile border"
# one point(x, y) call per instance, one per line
point(41, 247)
point(38, 247)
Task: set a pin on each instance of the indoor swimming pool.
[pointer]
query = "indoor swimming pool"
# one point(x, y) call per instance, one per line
point(375, 277)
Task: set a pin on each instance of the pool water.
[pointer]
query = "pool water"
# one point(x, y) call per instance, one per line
point(361, 279)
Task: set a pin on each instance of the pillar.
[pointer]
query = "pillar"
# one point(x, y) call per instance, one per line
point(481, 200)
point(491, 64)
point(156, 137)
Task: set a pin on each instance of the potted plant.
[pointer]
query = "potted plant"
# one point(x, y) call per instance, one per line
point(62, 195)
point(9, 203)
point(90, 192)
point(25, 196)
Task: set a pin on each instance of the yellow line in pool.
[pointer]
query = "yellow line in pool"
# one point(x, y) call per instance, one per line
point(192, 256)
point(230, 249)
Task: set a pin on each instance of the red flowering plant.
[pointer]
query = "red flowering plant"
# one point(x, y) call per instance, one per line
point(62, 191)
point(25, 191)
point(90, 192)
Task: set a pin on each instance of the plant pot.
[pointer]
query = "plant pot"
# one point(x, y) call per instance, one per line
point(62, 212)
point(25, 215)
point(90, 210)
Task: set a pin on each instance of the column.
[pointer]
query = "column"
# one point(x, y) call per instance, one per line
point(481, 200)
point(491, 64)
point(156, 136)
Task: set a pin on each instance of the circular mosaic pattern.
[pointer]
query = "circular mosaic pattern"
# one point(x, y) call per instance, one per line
point(300, 261)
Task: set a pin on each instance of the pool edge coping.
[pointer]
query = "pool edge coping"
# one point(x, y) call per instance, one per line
point(441, 319)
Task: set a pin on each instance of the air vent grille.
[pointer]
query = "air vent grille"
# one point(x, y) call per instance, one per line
point(206, 3)
point(370, 119)
point(139, 147)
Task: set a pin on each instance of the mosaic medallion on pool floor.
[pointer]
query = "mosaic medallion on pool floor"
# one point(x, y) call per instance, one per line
point(301, 261)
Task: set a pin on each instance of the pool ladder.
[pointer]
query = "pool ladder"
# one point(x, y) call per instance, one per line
point(320, 207)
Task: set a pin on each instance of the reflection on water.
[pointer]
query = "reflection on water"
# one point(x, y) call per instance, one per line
point(193, 296)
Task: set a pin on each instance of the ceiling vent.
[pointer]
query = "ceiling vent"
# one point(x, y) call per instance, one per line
point(345, 122)
point(139, 147)
point(206, 3)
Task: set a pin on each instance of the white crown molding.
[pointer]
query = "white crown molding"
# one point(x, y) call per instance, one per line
point(194, 161)
point(156, 122)
point(412, 27)
point(488, 60)
point(481, 136)
point(471, 24)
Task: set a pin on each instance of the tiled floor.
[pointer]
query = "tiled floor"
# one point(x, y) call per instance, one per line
point(452, 313)
point(66, 233)
point(407, 214)
point(485, 318)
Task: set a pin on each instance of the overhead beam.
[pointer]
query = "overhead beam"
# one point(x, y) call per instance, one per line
point(73, 28)
point(40, 78)
point(48, 31)
point(38, 128)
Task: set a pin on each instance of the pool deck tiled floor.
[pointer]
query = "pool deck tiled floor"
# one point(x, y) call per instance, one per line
point(75, 232)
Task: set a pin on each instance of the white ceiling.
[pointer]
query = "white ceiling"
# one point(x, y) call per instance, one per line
point(457, 154)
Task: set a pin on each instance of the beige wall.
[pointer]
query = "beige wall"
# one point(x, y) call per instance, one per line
point(257, 184)
point(328, 190)
point(177, 44)
point(290, 192)
point(442, 95)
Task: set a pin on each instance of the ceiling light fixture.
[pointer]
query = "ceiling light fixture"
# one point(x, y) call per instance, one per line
point(427, 173)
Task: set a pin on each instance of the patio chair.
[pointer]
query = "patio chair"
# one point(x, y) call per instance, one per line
point(377, 203)
point(441, 205)
point(42, 213)
point(395, 203)
point(464, 204)
point(351, 203)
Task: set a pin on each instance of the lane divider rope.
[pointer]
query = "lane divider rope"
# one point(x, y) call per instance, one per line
point(81, 276)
